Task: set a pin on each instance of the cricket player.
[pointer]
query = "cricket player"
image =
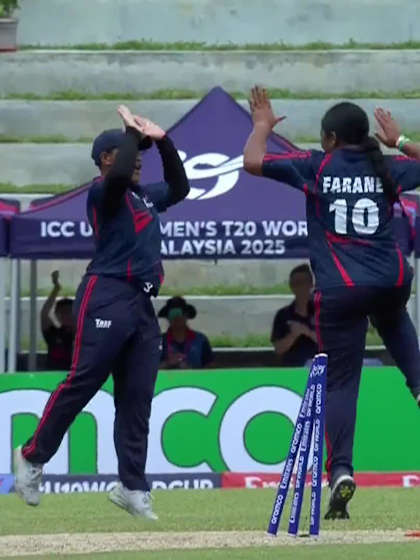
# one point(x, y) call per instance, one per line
point(359, 269)
point(117, 329)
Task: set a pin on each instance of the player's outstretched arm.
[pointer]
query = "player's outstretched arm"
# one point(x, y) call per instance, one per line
point(264, 120)
point(389, 133)
point(173, 168)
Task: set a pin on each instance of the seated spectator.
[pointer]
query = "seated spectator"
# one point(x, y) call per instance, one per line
point(293, 335)
point(182, 347)
point(59, 338)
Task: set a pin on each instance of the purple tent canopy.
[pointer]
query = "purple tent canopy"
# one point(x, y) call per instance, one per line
point(3, 236)
point(55, 228)
point(228, 213)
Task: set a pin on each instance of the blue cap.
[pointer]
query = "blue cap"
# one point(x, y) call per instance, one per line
point(110, 139)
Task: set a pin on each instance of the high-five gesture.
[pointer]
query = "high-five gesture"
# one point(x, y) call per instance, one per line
point(128, 118)
point(261, 110)
point(149, 128)
point(264, 120)
point(389, 133)
point(388, 130)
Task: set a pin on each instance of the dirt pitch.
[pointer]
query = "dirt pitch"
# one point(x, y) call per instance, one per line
point(21, 545)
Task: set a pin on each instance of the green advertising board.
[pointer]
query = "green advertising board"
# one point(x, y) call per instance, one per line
point(216, 420)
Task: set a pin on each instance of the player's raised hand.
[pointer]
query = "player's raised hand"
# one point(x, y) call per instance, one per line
point(149, 128)
point(55, 279)
point(388, 130)
point(128, 117)
point(261, 109)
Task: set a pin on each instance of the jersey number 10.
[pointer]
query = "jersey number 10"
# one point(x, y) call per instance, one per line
point(365, 216)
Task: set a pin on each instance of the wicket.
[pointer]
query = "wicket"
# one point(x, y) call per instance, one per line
point(310, 422)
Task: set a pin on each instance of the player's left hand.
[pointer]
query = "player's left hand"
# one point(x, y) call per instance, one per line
point(261, 109)
point(149, 128)
point(127, 117)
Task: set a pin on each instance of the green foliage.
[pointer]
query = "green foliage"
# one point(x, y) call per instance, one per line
point(249, 341)
point(72, 95)
point(228, 290)
point(9, 188)
point(174, 94)
point(149, 45)
point(7, 7)
point(48, 139)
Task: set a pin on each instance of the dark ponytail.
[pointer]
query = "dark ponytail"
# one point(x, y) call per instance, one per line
point(350, 124)
point(374, 154)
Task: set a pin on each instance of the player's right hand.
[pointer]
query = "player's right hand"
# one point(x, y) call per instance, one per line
point(388, 129)
point(149, 128)
point(261, 109)
point(128, 117)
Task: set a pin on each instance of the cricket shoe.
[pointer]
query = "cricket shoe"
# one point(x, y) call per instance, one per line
point(341, 493)
point(136, 502)
point(28, 477)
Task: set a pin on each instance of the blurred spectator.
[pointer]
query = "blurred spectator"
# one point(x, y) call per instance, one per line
point(59, 338)
point(183, 348)
point(293, 335)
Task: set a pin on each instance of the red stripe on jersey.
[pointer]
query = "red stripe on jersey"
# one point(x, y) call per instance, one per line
point(289, 155)
point(324, 162)
point(403, 158)
point(344, 274)
point(141, 218)
point(317, 304)
point(95, 222)
point(400, 279)
point(328, 462)
point(331, 237)
point(141, 221)
point(75, 361)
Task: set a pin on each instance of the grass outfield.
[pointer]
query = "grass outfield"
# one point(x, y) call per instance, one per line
point(195, 510)
point(217, 510)
point(389, 551)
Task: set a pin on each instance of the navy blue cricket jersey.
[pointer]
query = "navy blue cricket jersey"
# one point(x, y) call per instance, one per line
point(125, 220)
point(351, 242)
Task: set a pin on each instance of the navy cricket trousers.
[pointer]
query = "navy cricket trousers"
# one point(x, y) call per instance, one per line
point(117, 331)
point(341, 316)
